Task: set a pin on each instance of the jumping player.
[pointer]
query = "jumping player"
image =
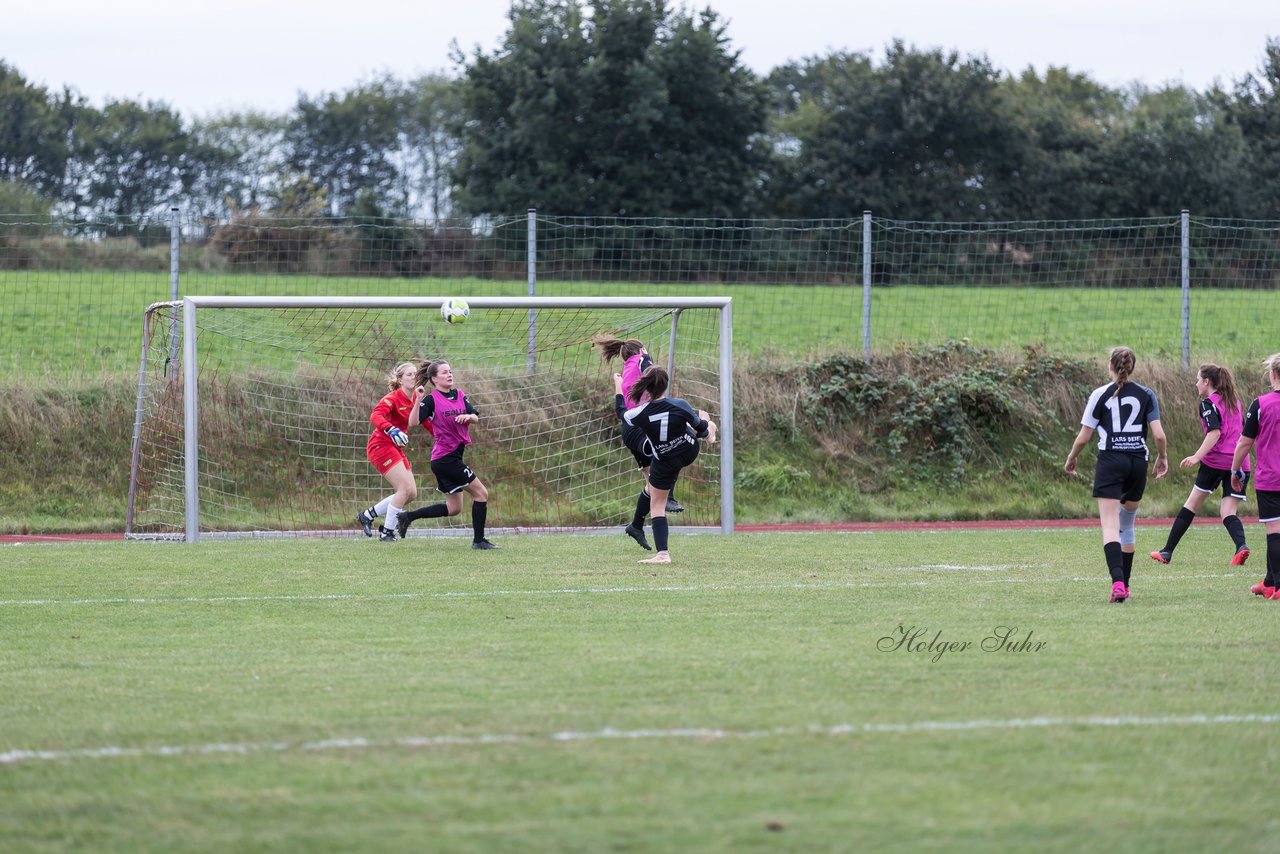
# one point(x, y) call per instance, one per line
point(1221, 415)
point(1261, 434)
point(390, 419)
point(665, 430)
point(450, 413)
point(635, 359)
point(1120, 412)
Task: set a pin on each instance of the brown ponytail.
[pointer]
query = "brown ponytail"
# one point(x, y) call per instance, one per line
point(611, 346)
point(653, 382)
point(1224, 384)
point(1123, 362)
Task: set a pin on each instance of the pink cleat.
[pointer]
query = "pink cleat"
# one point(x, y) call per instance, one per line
point(1241, 555)
point(1161, 557)
point(1274, 595)
point(1119, 592)
point(1261, 589)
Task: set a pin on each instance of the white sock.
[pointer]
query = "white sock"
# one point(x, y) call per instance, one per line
point(380, 509)
point(393, 514)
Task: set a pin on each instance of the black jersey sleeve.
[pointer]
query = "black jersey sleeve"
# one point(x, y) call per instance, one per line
point(1250, 428)
point(619, 406)
point(700, 428)
point(1210, 416)
point(469, 409)
point(426, 409)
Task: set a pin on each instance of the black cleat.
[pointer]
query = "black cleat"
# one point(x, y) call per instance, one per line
point(402, 525)
point(674, 506)
point(386, 535)
point(365, 521)
point(637, 534)
point(483, 544)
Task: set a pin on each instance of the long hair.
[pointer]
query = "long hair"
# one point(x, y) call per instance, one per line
point(611, 346)
point(393, 378)
point(1223, 383)
point(653, 382)
point(434, 368)
point(1122, 363)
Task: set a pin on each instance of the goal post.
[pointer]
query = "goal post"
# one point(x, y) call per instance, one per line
point(261, 429)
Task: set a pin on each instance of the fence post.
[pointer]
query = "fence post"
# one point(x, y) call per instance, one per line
point(175, 233)
point(532, 265)
point(1186, 288)
point(866, 285)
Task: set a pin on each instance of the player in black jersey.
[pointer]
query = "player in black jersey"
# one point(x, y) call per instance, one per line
point(666, 430)
point(1120, 412)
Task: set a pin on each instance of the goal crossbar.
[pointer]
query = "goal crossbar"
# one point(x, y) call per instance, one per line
point(192, 305)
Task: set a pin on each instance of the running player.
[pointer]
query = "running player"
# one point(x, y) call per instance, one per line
point(1120, 412)
point(1220, 417)
point(390, 419)
point(1261, 434)
point(666, 430)
point(635, 359)
point(450, 413)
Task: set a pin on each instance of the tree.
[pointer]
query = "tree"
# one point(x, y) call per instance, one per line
point(924, 136)
point(131, 160)
point(613, 107)
point(243, 162)
point(346, 143)
point(430, 143)
point(1256, 111)
point(35, 132)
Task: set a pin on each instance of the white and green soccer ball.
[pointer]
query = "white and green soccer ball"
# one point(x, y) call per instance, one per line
point(455, 310)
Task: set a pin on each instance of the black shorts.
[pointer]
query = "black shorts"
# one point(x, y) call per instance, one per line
point(664, 473)
point(1208, 479)
point(632, 438)
point(1268, 504)
point(1119, 475)
point(452, 474)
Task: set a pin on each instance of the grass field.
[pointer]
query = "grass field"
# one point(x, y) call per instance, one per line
point(93, 320)
point(343, 695)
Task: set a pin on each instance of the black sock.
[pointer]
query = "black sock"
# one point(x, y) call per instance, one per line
point(642, 510)
point(660, 533)
point(1273, 560)
point(431, 511)
point(1236, 529)
point(1181, 523)
point(1115, 563)
point(479, 511)
point(1126, 563)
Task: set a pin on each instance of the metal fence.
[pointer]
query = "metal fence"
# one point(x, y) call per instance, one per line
point(1180, 287)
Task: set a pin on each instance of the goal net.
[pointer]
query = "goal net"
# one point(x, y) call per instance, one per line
point(253, 412)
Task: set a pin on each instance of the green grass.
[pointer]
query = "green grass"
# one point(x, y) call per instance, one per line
point(70, 321)
point(764, 646)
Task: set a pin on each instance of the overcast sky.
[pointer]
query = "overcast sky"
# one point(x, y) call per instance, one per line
point(232, 55)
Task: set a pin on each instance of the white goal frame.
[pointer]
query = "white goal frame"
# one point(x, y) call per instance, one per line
point(191, 399)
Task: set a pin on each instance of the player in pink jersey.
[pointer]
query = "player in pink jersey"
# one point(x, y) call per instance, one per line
point(1221, 417)
point(635, 359)
point(390, 420)
point(451, 414)
point(1261, 435)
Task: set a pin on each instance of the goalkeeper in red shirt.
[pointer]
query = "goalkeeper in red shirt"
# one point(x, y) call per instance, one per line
point(390, 419)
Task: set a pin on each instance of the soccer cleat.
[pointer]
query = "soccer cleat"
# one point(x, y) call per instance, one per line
point(1241, 555)
point(386, 535)
point(637, 534)
point(365, 521)
point(660, 557)
point(1119, 592)
point(1162, 557)
point(674, 506)
point(1274, 595)
point(402, 525)
point(1261, 589)
point(483, 544)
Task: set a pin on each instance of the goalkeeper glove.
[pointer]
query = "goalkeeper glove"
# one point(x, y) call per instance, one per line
point(398, 436)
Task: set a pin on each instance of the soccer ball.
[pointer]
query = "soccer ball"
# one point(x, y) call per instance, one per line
point(455, 311)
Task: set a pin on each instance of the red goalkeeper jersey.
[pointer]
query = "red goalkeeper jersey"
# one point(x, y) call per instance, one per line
point(392, 411)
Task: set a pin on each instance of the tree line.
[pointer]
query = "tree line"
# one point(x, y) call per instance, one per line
point(627, 108)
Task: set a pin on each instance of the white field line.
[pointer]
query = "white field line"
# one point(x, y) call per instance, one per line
point(15, 756)
point(581, 591)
